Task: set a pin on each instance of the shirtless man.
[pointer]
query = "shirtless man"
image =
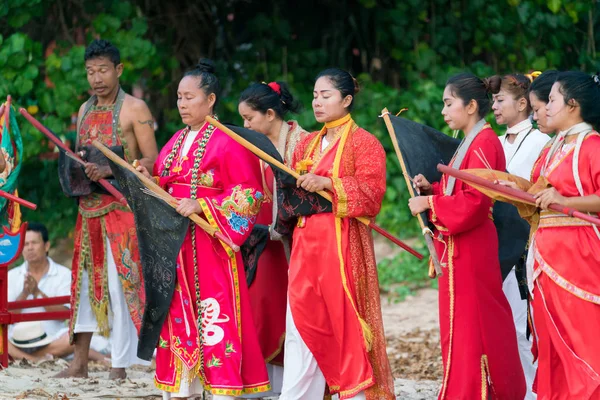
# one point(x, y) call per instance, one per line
point(106, 267)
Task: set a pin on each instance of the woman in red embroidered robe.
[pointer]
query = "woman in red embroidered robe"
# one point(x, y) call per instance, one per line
point(334, 330)
point(263, 108)
point(566, 251)
point(479, 346)
point(208, 341)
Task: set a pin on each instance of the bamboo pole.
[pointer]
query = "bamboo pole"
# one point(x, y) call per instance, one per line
point(269, 159)
point(435, 268)
point(150, 184)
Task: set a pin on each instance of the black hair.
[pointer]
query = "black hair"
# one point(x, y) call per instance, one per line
point(275, 96)
point(208, 81)
point(342, 81)
point(542, 85)
point(102, 48)
point(39, 228)
point(585, 90)
point(467, 87)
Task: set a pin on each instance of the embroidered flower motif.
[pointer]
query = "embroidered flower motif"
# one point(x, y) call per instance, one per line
point(178, 320)
point(186, 302)
point(207, 179)
point(189, 343)
point(214, 362)
point(229, 349)
point(238, 223)
point(303, 166)
point(240, 208)
point(162, 343)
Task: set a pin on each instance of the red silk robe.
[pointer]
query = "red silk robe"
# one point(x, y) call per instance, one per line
point(268, 292)
point(333, 274)
point(226, 352)
point(566, 291)
point(101, 216)
point(478, 337)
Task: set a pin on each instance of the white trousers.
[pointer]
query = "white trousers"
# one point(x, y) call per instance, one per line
point(190, 389)
point(124, 338)
point(275, 378)
point(302, 377)
point(519, 312)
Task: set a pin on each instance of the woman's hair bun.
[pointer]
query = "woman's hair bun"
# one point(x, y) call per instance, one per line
point(356, 86)
point(493, 84)
point(206, 65)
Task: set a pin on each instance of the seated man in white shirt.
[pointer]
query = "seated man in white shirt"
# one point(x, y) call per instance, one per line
point(39, 277)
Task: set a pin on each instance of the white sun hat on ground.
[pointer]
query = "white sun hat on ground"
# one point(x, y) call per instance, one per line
point(30, 334)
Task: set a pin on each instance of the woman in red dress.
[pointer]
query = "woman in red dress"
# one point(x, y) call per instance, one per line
point(565, 252)
point(479, 346)
point(263, 108)
point(334, 329)
point(208, 341)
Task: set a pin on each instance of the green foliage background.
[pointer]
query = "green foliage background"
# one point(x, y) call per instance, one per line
point(402, 52)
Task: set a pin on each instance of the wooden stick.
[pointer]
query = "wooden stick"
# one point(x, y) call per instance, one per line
point(150, 184)
point(269, 159)
point(102, 182)
point(485, 162)
point(435, 261)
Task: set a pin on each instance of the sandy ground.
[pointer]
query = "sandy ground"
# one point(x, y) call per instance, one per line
point(413, 348)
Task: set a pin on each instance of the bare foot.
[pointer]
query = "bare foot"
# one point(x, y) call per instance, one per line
point(74, 371)
point(117, 373)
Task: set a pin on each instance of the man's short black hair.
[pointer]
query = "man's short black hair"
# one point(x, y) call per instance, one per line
point(39, 228)
point(102, 48)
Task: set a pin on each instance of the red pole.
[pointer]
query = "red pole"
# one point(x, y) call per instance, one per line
point(103, 182)
point(39, 316)
point(4, 316)
point(395, 240)
point(516, 193)
point(49, 301)
point(19, 200)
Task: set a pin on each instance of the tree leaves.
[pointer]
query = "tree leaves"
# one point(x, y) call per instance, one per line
point(554, 5)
